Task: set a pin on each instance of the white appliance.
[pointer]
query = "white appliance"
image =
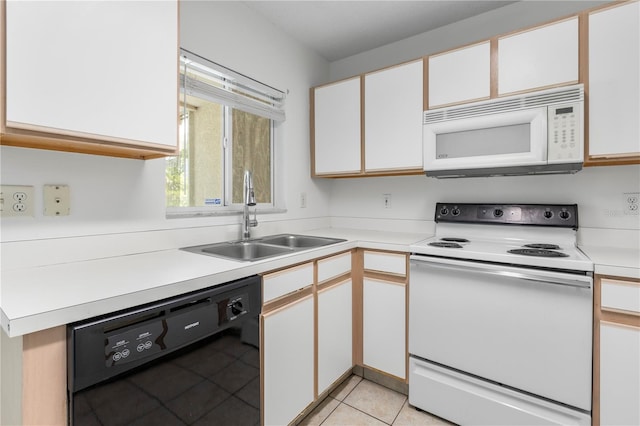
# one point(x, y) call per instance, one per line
point(533, 133)
point(500, 317)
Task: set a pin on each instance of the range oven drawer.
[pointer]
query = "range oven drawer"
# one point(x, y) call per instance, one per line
point(444, 392)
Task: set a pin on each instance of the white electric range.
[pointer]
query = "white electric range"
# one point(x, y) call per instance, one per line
point(500, 316)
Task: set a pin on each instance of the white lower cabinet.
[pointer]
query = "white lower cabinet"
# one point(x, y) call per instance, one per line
point(288, 356)
point(384, 326)
point(619, 374)
point(335, 337)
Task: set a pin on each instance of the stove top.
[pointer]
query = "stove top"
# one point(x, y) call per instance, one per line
point(527, 235)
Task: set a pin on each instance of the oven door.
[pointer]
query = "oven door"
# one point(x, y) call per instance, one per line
point(527, 329)
point(507, 139)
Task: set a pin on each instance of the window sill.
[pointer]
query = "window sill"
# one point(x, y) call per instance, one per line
point(220, 213)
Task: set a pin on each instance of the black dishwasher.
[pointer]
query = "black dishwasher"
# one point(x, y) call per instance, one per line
point(191, 359)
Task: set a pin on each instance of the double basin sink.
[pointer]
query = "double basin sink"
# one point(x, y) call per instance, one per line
point(262, 248)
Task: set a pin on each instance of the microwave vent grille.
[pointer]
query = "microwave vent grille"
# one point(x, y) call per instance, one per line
point(495, 106)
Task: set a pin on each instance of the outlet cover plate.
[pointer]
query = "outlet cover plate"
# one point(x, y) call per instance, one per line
point(56, 200)
point(16, 201)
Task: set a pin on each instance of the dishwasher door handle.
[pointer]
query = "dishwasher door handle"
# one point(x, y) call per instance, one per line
point(527, 276)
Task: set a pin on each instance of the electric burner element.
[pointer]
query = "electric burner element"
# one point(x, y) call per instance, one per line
point(455, 240)
point(445, 244)
point(538, 252)
point(543, 246)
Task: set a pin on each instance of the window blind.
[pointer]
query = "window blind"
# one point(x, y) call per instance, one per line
point(213, 82)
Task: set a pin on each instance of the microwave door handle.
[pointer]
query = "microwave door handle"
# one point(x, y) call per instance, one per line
point(511, 274)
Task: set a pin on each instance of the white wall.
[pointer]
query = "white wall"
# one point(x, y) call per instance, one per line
point(119, 195)
point(598, 191)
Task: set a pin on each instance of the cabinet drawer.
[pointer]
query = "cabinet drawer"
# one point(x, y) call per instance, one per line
point(620, 295)
point(391, 263)
point(283, 282)
point(333, 267)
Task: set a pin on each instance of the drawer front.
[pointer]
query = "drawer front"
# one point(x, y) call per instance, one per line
point(333, 267)
point(284, 282)
point(620, 295)
point(391, 263)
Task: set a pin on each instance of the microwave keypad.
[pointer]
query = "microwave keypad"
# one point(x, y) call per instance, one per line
point(565, 137)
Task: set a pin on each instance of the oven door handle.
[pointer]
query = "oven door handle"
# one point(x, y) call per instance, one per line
point(510, 274)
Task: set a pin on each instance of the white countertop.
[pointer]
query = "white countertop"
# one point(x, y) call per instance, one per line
point(37, 298)
point(615, 261)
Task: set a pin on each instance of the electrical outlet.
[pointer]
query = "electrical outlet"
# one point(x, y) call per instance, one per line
point(16, 201)
point(631, 203)
point(386, 199)
point(56, 200)
point(303, 200)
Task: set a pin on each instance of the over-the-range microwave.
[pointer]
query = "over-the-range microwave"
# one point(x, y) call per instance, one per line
point(533, 133)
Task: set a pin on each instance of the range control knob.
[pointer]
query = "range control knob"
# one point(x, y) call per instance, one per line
point(548, 214)
point(498, 213)
point(455, 211)
point(564, 215)
point(237, 308)
point(444, 211)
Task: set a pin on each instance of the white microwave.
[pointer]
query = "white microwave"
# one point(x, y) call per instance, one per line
point(534, 133)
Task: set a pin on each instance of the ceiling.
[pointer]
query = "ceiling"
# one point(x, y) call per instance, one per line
point(338, 29)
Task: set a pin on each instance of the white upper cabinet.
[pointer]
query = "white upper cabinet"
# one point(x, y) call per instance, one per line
point(97, 70)
point(614, 67)
point(541, 57)
point(337, 131)
point(461, 75)
point(393, 118)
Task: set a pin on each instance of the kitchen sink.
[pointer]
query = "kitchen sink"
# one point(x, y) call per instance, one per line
point(299, 241)
point(262, 248)
point(240, 250)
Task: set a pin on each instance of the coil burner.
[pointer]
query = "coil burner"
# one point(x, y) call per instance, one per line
point(538, 252)
point(445, 244)
point(543, 246)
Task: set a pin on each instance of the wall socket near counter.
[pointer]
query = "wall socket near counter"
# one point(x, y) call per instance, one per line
point(56, 200)
point(16, 201)
point(386, 201)
point(631, 203)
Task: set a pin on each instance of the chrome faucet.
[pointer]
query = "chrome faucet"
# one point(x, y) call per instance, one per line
point(249, 200)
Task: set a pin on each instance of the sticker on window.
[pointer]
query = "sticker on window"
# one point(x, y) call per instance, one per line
point(212, 201)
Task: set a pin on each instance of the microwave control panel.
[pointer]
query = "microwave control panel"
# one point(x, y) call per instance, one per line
point(565, 142)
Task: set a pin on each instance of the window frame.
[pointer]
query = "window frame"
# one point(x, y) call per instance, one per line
point(227, 207)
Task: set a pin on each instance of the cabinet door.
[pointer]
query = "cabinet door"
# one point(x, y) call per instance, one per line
point(288, 361)
point(462, 75)
point(393, 118)
point(619, 374)
point(614, 66)
point(101, 70)
point(384, 326)
point(334, 334)
point(337, 134)
point(542, 57)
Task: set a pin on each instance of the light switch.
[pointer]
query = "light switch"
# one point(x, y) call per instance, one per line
point(57, 201)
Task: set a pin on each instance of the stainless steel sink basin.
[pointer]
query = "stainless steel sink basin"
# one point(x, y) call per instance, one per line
point(240, 250)
point(262, 248)
point(299, 241)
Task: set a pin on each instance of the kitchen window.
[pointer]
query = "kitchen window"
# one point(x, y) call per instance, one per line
point(227, 125)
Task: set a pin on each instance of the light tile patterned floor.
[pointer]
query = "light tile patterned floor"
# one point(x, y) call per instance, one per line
point(361, 402)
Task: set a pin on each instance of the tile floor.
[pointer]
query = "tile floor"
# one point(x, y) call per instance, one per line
point(361, 402)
